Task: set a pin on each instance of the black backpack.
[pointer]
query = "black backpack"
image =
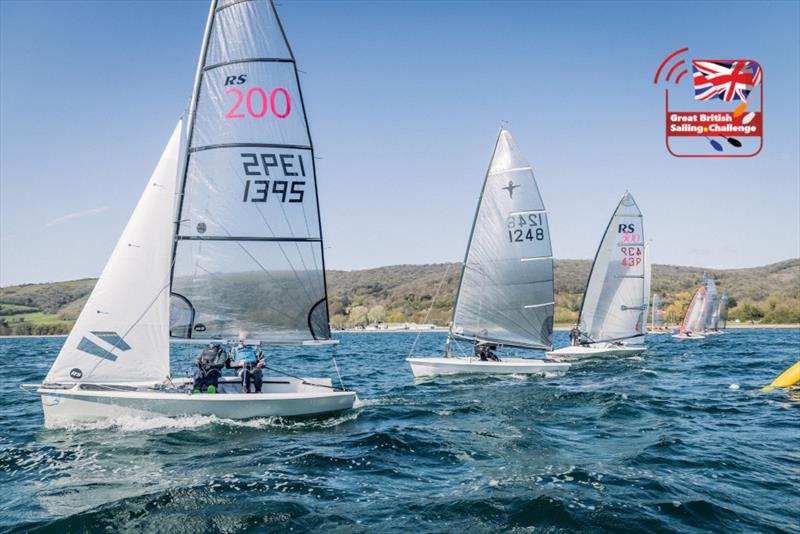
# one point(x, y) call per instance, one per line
point(211, 358)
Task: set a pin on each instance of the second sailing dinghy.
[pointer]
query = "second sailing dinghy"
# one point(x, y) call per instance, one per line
point(505, 298)
point(614, 310)
point(226, 239)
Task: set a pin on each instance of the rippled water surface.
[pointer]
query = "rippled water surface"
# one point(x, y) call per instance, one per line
point(662, 442)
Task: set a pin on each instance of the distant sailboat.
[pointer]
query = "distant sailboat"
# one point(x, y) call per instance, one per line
point(658, 313)
point(613, 314)
point(505, 297)
point(693, 325)
point(226, 239)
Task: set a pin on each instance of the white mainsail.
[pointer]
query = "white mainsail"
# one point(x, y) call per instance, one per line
point(248, 253)
point(122, 332)
point(711, 303)
point(722, 311)
point(658, 313)
point(506, 290)
point(694, 320)
point(614, 305)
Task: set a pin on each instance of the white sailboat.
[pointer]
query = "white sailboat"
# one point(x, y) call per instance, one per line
point(712, 308)
point(693, 325)
point(225, 239)
point(658, 324)
point(505, 297)
point(613, 313)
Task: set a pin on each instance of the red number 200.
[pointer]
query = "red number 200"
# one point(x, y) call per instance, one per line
point(260, 108)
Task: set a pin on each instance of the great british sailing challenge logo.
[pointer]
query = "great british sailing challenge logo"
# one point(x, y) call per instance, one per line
point(718, 112)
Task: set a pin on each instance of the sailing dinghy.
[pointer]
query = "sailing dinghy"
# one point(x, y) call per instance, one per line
point(505, 297)
point(613, 313)
point(225, 239)
point(693, 325)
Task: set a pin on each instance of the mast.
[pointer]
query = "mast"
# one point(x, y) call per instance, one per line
point(469, 243)
point(189, 129)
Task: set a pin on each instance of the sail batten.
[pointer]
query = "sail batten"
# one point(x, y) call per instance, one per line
point(505, 294)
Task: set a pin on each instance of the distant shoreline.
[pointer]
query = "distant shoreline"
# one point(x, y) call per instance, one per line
point(444, 329)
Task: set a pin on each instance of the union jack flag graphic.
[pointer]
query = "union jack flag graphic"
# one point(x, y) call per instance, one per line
point(726, 80)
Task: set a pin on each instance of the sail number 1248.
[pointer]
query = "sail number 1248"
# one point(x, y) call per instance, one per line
point(525, 227)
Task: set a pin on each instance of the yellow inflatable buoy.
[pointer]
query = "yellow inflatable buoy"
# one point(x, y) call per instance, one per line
point(789, 377)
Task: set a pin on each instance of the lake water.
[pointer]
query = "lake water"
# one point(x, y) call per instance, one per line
point(662, 442)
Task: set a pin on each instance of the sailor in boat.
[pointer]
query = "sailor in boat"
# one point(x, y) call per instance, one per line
point(249, 362)
point(574, 336)
point(485, 351)
point(209, 368)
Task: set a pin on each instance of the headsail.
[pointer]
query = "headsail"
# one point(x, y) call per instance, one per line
point(248, 253)
point(122, 334)
point(506, 290)
point(614, 305)
point(694, 320)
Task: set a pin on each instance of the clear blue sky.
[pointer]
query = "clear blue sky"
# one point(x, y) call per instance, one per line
point(405, 100)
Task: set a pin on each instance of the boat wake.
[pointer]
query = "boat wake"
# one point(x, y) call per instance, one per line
point(135, 424)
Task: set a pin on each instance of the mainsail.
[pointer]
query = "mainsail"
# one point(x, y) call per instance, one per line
point(694, 320)
point(122, 332)
point(658, 313)
point(614, 306)
point(248, 251)
point(711, 317)
point(722, 314)
point(506, 290)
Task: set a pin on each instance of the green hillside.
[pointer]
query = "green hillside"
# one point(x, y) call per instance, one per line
point(398, 293)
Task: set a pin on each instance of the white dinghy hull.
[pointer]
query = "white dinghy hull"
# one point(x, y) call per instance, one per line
point(693, 336)
point(281, 397)
point(579, 352)
point(422, 367)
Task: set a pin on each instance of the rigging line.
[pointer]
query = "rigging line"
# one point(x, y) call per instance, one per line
point(433, 301)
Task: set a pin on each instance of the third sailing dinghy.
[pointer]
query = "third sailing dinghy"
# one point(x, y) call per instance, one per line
point(693, 325)
point(225, 239)
point(614, 311)
point(505, 298)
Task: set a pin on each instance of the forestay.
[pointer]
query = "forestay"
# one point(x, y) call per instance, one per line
point(248, 253)
point(614, 306)
point(506, 290)
point(122, 332)
point(694, 320)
